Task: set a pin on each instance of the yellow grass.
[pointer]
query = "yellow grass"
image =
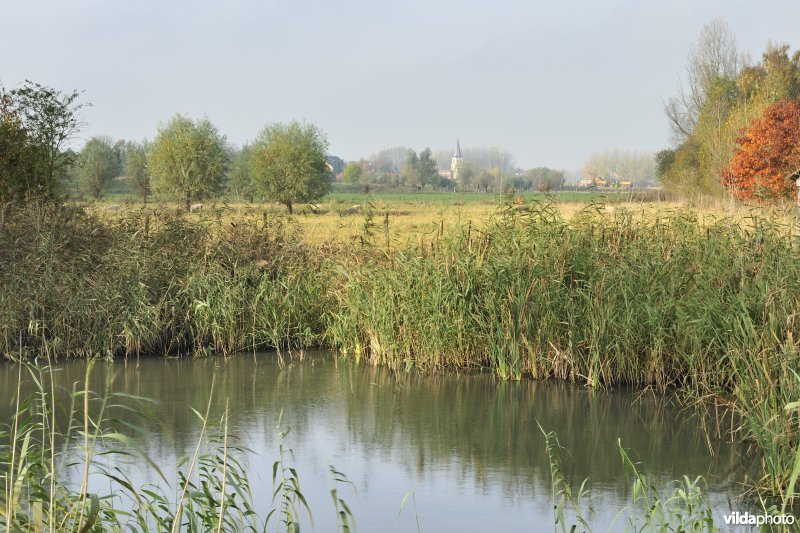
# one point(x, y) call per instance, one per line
point(414, 222)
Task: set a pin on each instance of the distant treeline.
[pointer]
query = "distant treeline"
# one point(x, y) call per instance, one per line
point(480, 170)
point(624, 165)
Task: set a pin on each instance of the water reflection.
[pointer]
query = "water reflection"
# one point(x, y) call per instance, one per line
point(467, 445)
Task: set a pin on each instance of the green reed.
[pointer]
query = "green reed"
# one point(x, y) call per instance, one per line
point(684, 509)
point(73, 285)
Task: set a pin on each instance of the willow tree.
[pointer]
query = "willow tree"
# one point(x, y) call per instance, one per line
point(188, 159)
point(136, 168)
point(288, 163)
point(98, 164)
point(240, 175)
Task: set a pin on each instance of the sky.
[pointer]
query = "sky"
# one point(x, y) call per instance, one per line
point(550, 82)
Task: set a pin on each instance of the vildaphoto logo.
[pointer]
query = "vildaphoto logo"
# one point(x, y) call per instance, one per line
point(748, 519)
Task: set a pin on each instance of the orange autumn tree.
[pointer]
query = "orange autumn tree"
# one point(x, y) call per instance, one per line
point(767, 155)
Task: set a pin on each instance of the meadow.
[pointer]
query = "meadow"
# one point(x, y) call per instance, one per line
point(344, 218)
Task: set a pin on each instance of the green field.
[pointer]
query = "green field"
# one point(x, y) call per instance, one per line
point(119, 191)
point(466, 197)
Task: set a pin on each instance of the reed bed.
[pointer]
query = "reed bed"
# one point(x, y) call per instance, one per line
point(74, 285)
point(601, 297)
point(598, 299)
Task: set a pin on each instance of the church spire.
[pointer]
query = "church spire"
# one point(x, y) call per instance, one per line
point(455, 163)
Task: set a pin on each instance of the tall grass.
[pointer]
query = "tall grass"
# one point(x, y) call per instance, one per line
point(599, 299)
point(73, 285)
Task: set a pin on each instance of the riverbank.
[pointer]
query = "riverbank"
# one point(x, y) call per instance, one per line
point(602, 298)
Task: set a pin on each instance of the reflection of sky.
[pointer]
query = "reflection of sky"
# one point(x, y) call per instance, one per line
point(446, 438)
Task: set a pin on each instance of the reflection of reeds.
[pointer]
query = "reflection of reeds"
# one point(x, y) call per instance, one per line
point(211, 490)
point(210, 493)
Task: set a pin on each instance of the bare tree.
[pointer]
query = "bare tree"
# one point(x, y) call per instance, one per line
point(713, 56)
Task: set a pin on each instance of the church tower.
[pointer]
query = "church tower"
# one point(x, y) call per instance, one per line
point(456, 162)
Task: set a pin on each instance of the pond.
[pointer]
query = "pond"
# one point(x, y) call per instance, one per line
point(467, 446)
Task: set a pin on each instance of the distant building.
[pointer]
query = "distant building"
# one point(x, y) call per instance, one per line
point(593, 181)
point(456, 162)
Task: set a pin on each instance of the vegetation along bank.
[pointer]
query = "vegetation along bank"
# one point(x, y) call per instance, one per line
point(600, 298)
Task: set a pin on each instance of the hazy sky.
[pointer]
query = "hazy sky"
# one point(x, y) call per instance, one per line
point(549, 81)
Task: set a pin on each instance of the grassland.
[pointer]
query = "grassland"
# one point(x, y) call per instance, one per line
point(411, 218)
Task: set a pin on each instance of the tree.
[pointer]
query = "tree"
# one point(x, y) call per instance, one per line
point(664, 161)
point(635, 166)
point(409, 172)
point(135, 161)
point(489, 158)
point(768, 155)
point(484, 180)
point(426, 170)
point(289, 163)
point(98, 164)
point(17, 175)
point(545, 179)
point(241, 175)
point(467, 175)
point(36, 124)
point(188, 159)
point(420, 170)
point(713, 57)
point(390, 160)
point(352, 173)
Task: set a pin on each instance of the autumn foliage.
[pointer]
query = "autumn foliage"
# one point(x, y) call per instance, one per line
point(767, 155)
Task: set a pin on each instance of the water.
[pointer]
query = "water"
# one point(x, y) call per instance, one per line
point(466, 445)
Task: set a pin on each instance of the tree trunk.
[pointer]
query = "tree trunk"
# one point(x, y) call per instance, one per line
point(289, 206)
point(188, 202)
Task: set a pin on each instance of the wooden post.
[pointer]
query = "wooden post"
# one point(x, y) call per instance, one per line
point(386, 229)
